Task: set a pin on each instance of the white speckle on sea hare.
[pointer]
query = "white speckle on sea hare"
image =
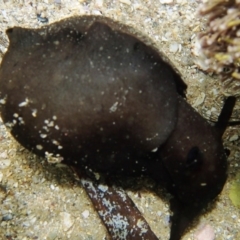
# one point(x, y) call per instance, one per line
point(102, 187)
point(96, 175)
point(34, 112)
point(43, 135)
point(55, 142)
point(24, 103)
point(3, 101)
point(154, 150)
point(113, 108)
point(39, 147)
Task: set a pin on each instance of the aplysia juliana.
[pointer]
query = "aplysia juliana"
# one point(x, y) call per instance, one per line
point(87, 92)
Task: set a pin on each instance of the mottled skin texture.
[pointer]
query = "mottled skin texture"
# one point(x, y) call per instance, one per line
point(85, 91)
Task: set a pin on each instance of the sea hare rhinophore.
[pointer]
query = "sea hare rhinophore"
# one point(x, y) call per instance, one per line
point(87, 92)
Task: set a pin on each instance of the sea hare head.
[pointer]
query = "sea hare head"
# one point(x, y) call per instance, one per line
point(196, 163)
point(195, 158)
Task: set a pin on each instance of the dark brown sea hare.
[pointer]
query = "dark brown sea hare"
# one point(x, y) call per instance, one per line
point(87, 92)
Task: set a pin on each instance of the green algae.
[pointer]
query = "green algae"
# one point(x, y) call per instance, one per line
point(234, 193)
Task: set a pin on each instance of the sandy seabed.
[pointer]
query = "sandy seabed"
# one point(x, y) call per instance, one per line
point(42, 201)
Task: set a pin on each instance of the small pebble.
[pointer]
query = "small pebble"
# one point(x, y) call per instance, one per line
point(85, 214)
point(126, 2)
point(7, 217)
point(67, 221)
point(166, 220)
point(200, 99)
point(173, 47)
point(3, 155)
point(159, 213)
point(233, 138)
point(4, 163)
point(204, 232)
point(42, 19)
point(166, 1)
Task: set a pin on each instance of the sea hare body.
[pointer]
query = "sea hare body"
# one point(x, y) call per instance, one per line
point(87, 92)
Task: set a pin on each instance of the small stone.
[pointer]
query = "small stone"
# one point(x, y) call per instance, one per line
point(41, 18)
point(103, 188)
point(67, 221)
point(233, 138)
point(126, 2)
point(53, 234)
point(200, 99)
point(173, 47)
point(99, 3)
point(7, 217)
point(3, 155)
point(4, 163)
point(166, 1)
point(159, 213)
point(204, 232)
point(85, 214)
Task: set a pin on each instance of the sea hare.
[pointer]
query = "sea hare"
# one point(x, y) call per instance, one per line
point(87, 92)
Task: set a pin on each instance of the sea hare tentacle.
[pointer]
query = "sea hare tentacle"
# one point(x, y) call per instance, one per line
point(184, 213)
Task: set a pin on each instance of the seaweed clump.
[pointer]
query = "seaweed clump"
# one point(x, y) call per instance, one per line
point(218, 47)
